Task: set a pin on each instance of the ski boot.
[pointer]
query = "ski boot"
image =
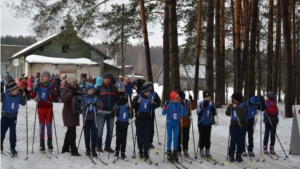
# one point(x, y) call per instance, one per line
point(99, 149)
point(146, 155)
point(272, 150)
point(94, 154)
point(231, 157)
point(245, 154)
point(49, 144)
point(141, 153)
point(207, 153)
point(239, 158)
point(169, 156)
point(42, 145)
point(151, 146)
point(88, 152)
point(266, 150)
point(116, 154)
point(202, 153)
point(123, 156)
point(13, 152)
point(251, 154)
point(185, 153)
point(175, 158)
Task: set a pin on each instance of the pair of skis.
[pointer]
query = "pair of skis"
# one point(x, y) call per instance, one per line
point(177, 164)
point(46, 153)
point(94, 162)
point(9, 154)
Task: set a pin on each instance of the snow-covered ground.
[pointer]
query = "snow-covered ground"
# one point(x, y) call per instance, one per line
point(219, 140)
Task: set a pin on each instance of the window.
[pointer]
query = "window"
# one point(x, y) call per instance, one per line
point(65, 47)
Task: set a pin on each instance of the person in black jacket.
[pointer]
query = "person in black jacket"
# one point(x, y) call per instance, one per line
point(123, 114)
point(57, 83)
point(139, 83)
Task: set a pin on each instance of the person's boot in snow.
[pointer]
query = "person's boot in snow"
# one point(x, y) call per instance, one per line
point(116, 154)
point(42, 145)
point(49, 144)
point(272, 150)
point(207, 153)
point(185, 153)
point(88, 152)
point(151, 146)
point(94, 153)
point(245, 154)
point(202, 153)
point(141, 153)
point(13, 151)
point(175, 157)
point(266, 150)
point(231, 157)
point(123, 156)
point(239, 158)
point(108, 149)
point(251, 154)
point(146, 155)
point(169, 156)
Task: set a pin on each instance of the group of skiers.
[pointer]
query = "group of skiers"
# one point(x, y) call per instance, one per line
point(101, 102)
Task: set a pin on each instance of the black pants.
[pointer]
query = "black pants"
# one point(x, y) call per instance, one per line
point(121, 134)
point(90, 133)
point(151, 128)
point(185, 138)
point(204, 132)
point(142, 133)
point(250, 135)
point(70, 139)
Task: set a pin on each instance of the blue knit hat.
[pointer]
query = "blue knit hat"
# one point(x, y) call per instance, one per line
point(89, 86)
point(254, 101)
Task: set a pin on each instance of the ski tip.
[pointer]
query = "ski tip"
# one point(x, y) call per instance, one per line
point(253, 162)
point(226, 162)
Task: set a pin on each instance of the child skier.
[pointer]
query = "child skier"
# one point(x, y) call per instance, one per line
point(173, 110)
point(89, 106)
point(206, 111)
point(252, 112)
point(271, 120)
point(45, 93)
point(142, 105)
point(238, 126)
point(123, 113)
point(10, 99)
point(185, 124)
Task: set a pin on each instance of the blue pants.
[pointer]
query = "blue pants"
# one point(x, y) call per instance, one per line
point(10, 123)
point(90, 131)
point(172, 127)
point(102, 118)
point(121, 138)
point(142, 133)
point(250, 132)
point(237, 139)
point(269, 129)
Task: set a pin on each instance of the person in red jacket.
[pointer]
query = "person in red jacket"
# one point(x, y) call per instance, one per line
point(271, 120)
point(44, 93)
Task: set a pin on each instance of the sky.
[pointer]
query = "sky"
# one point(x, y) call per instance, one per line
point(21, 26)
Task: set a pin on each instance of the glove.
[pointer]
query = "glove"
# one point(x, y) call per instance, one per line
point(166, 102)
point(88, 104)
point(191, 98)
point(115, 107)
point(75, 93)
point(94, 104)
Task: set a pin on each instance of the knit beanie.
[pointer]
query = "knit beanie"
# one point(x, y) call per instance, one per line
point(254, 101)
point(271, 95)
point(174, 96)
point(206, 93)
point(71, 78)
point(89, 86)
point(145, 89)
point(237, 96)
point(12, 86)
point(107, 75)
point(149, 84)
point(44, 73)
point(181, 94)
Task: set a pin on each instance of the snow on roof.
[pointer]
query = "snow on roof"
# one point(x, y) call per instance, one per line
point(110, 61)
point(45, 59)
point(34, 45)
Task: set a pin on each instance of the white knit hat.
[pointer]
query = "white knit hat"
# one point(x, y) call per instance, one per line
point(71, 78)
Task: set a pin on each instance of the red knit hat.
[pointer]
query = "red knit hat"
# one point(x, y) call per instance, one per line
point(174, 96)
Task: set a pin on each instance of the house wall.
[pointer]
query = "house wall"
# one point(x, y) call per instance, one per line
point(6, 52)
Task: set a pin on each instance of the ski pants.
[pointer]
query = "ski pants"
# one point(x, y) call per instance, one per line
point(45, 119)
point(204, 133)
point(237, 139)
point(185, 138)
point(250, 135)
point(142, 133)
point(90, 133)
point(10, 123)
point(70, 139)
point(270, 131)
point(121, 138)
point(172, 134)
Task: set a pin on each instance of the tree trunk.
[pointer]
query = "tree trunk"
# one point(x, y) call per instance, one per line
point(174, 47)
point(246, 30)
point(146, 42)
point(233, 46)
point(209, 73)
point(277, 49)
point(122, 43)
point(259, 65)
point(293, 6)
point(166, 55)
point(198, 49)
point(252, 54)
point(220, 52)
point(270, 46)
point(288, 59)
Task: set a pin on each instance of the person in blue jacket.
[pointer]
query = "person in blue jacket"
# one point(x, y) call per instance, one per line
point(173, 112)
point(128, 89)
point(206, 111)
point(11, 99)
point(123, 114)
point(252, 104)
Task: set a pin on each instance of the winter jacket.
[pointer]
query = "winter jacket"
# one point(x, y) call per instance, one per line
point(122, 122)
point(157, 101)
point(90, 110)
point(108, 97)
point(206, 110)
point(238, 114)
point(21, 83)
point(142, 112)
point(10, 104)
point(29, 84)
point(186, 114)
point(173, 112)
point(271, 113)
point(50, 92)
point(139, 84)
point(70, 118)
point(57, 83)
point(121, 85)
point(99, 82)
point(128, 88)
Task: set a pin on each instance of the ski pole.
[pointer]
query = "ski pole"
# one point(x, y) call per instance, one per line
point(26, 127)
point(165, 139)
point(34, 126)
point(261, 156)
point(253, 162)
point(193, 130)
point(133, 139)
point(55, 130)
point(82, 127)
point(227, 154)
point(181, 134)
point(157, 130)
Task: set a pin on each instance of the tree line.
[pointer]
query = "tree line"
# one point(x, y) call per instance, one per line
point(18, 40)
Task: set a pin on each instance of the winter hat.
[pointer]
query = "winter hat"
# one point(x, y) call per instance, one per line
point(12, 86)
point(71, 78)
point(271, 95)
point(123, 101)
point(99, 81)
point(174, 96)
point(181, 94)
point(120, 77)
point(107, 75)
point(237, 96)
point(206, 93)
point(149, 84)
point(45, 72)
point(254, 101)
point(89, 86)
point(145, 89)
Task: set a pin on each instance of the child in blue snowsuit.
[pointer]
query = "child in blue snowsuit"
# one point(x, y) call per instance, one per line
point(173, 110)
point(206, 111)
point(252, 105)
point(10, 105)
point(123, 114)
point(238, 126)
point(89, 106)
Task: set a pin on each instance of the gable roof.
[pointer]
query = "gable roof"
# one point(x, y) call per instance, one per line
point(48, 39)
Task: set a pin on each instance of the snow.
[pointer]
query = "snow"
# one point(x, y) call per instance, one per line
point(110, 61)
point(45, 59)
point(219, 138)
